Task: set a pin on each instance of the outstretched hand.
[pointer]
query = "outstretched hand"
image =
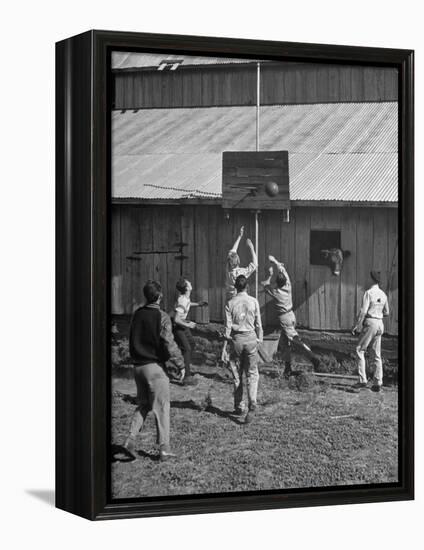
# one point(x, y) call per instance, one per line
point(356, 329)
point(272, 259)
point(242, 231)
point(249, 243)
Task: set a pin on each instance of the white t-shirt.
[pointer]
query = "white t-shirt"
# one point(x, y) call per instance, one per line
point(182, 306)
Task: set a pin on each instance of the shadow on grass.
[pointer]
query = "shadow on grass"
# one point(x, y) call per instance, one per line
point(224, 414)
point(211, 409)
point(153, 456)
point(344, 387)
point(120, 454)
point(217, 376)
point(187, 404)
point(126, 397)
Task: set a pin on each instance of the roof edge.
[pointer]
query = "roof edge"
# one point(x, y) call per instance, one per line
point(218, 202)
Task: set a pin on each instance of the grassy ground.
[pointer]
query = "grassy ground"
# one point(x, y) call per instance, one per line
point(324, 435)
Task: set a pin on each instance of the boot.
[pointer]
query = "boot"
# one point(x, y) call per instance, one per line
point(288, 371)
point(129, 447)
point(314, 359)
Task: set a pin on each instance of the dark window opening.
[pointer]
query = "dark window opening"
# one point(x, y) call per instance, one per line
point(322, 240)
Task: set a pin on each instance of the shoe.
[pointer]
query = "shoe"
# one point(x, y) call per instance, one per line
point(359, 385)
point(189, 381)
point(250, 416)
point(238, 411)
point(129, 447)
point(377, 388)
point(166, 455)
point(316, 363)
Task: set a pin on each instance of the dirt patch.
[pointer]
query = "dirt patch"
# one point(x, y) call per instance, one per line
point(336, 350)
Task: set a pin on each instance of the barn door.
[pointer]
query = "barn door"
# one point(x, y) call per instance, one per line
point(159, 266)
point(324, 288)
point(324, 299)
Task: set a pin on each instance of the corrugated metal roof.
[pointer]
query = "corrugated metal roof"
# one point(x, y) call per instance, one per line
point(337, 152)
point(137, 60)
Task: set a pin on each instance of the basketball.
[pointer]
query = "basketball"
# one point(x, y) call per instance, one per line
point(271, 188)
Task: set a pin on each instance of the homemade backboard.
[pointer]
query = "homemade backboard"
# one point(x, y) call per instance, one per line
point(255, 180)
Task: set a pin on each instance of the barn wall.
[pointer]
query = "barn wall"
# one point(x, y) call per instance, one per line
point(145, 245)
point(236, 85)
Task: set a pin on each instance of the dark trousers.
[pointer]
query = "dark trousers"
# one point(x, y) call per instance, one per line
point(185, 342)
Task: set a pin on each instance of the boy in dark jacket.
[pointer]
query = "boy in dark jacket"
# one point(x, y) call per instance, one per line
point(151, 345)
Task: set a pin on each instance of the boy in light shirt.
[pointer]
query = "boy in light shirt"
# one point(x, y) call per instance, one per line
point(283, 302)
point(233, 265)
point(370, 324)
point(182, 325)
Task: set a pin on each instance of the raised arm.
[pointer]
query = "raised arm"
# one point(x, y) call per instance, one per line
point(236, 244)
point(266, 283)
point(280, 267)
point(252, 252)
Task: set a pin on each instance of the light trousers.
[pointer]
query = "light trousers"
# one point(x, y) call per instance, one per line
point(245, 360)
point(289, 338)
point(370, 338)
point(152, 395)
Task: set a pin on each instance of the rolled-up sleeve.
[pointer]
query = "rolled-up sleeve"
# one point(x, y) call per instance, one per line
point(167, 339)
point(258, 321)
point(386, 311)
point(270, 290)
point(283, 270)
point(251, 268)
point(228, 321)
point(365, 304)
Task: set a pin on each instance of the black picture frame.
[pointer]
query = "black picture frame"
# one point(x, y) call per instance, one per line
point(82, 267)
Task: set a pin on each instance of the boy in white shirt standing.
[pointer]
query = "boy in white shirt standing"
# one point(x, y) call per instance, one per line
point(370, 324)
point(243, 326)
point(182, 325)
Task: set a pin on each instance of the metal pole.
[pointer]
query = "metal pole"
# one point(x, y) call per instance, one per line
point(257, 252)
point(258, 101)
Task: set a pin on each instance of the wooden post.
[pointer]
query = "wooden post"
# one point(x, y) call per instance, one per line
point(257, 212)
point(258, 101)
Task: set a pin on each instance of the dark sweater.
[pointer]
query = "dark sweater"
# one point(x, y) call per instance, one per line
point(151, 339)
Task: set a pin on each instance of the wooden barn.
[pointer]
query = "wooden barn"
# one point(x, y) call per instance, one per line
point(173, 119)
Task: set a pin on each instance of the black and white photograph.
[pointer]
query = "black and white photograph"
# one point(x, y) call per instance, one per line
point(254, 266)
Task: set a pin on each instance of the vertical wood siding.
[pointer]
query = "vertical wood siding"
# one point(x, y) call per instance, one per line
point(236, 85)
point(322, 301)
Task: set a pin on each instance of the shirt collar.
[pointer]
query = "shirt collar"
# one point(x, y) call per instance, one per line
point(153, 306)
